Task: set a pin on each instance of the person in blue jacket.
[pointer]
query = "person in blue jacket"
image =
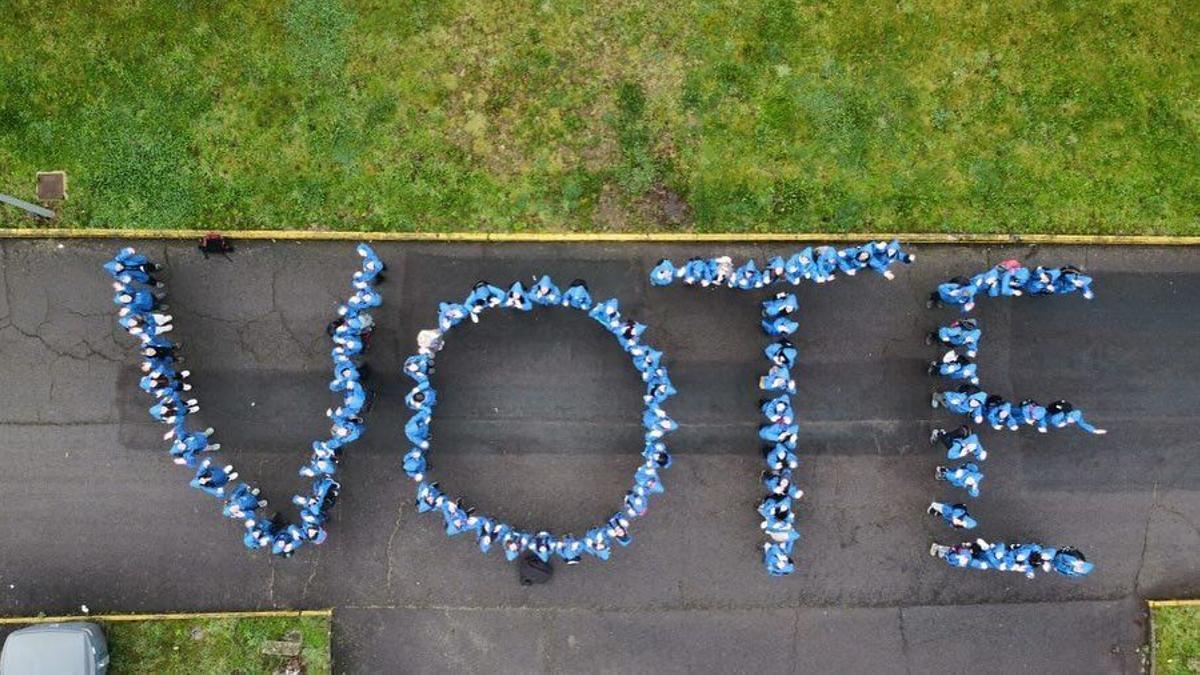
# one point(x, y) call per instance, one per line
point(720, 269)
point(421, 397)
point(778, 379)
point(825, 262)
point(647, 477)
point(514, 542)
point(129, 266)
point(1071, 279)
point(799, 266)
point(656, 452)
point(781, 353)
point(955, 515)
point(988, 281)
point(414, 464)
point(955, 366)
point(1070, 562)
point(213, 479)
point(959, 443)
point(320, 465)
point(372, 265)
point(884, 254)
point(417, 367)
point(968, 399)
point(1062, 414)
point(774, 270)
point(429, 497)
point(779, 327)
point(780, 483)
point(776, 509)
point(344, 371)
point(455, 516)
point(356, 398)
point(629, 334)
point(663, 273)
point(637, 500)
point(957, 291)
point(450, 314)
point(618, 529)
point(189, 444)
point(518, 298)
point(286, 541)
point(569, 549)
point(966, 476)
point(364, 299)
point(138, 300)
point(596, 542)
point(958, 555)
point(963, 333)
point(658, 389)
point(779, 410)
point(747, 277)
point(646, 360)
point(242, 502)
point(1014, 279)
point(998, 413)
point(1042, 281)
point(545, 293)
point(657, 423)
point(483, 296)
point(782, 304)
point(606, 313)
point(778, 458)
point(577, 295)
point(1032, 413)
point(417, 429)
point(778, 433)
point(489, 532)
point(777, 559)
point(259, 533)
point(848, 261)
point(541, 545)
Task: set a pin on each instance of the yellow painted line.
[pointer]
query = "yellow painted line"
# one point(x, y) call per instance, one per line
point(284, 613)
point(1174, 603)
point(613, 237)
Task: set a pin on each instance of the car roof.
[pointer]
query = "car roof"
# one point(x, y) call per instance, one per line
point(58, 649)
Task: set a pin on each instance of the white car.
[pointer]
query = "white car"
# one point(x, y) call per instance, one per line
point(77, 648)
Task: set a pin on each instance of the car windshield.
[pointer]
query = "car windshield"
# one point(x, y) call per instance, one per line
point(56, 651)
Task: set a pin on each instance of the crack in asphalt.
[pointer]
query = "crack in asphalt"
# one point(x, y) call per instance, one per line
point(316, 563)
point(903, 639)
point(1137, 579)
point(391, 539)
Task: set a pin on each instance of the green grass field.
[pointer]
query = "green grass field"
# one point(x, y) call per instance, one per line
point(1063, 116)
point(1176, 640)
point(217, 646)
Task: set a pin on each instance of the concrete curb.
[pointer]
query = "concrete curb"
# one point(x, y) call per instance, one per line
point(9, 620)
point(613, 237)
point(1174, 603)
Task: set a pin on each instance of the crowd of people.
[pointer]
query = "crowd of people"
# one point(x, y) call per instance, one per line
point(780, 432)
point(457, 517)
point(960, 340)
point(1027, 559)
point(141, 313)
point(819, 264)
point(1010, 279)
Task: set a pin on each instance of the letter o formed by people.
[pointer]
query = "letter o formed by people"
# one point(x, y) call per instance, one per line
point(597, 541)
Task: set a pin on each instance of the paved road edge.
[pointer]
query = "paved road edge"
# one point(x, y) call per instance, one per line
point(612, 237)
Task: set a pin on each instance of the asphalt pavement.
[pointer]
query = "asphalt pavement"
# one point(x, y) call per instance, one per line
point(538, 422)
